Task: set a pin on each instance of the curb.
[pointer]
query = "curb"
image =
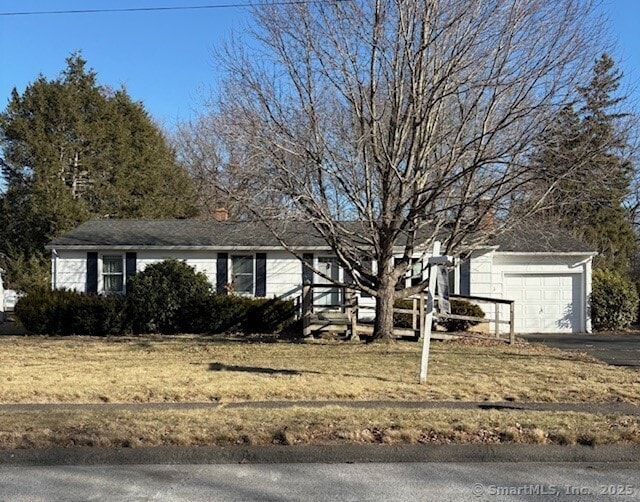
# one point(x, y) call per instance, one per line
point(273, 454)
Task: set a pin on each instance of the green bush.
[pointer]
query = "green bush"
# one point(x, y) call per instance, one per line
point(167, 297)
point(70, 313)
point(231, 313)
point(164, 297)
point(227, 313)
point(269, 315)
point(614, 300)
point(401, 320)
point(462, 307)
point(458, 307)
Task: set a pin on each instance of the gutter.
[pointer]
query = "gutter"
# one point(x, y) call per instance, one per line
point(548, 253)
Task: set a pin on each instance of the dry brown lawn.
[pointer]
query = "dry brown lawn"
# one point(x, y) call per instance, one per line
point(197, 369)
point(296, 425)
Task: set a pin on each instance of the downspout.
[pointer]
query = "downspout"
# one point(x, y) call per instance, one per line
point(54, 269)
point(587, 296)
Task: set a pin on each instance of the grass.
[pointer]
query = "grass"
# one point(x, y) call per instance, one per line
point(184, 369)
point(332, 425)
point(196, 369)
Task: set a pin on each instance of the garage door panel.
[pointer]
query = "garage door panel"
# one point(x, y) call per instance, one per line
point(530, 310)
point(552, 295)
point(532, 294)
point(554, 310)
point(545, 302)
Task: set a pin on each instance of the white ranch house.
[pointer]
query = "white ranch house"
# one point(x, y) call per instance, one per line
point(548, 275)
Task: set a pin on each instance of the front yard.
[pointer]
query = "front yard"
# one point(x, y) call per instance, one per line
point(197, 369)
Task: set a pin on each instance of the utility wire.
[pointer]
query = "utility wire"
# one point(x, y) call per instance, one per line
point(157, 9)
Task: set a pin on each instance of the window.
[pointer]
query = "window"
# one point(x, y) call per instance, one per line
point(242, 273)
point(416, 271)
point(112, 274)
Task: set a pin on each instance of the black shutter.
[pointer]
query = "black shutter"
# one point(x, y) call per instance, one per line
point(222, 273)
point(261, 274)
point(92, 273)
point(348, 277)
point(129, 267)
point(307, 270)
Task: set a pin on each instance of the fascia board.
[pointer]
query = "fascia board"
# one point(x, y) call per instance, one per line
point(94, 247)
point(590, 254)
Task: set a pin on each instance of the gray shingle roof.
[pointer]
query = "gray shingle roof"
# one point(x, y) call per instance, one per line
point(181, 233)
point(537, 240)
point(247, 234)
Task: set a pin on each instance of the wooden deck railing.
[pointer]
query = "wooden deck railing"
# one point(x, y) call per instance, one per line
point(343, 316)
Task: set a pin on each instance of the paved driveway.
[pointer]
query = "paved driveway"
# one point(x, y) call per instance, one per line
point(619, 349)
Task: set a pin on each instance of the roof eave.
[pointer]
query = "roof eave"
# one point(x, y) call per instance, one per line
point(547, 253)
point(130, 247)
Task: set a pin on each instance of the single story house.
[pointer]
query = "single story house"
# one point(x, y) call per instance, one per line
point(548, 275)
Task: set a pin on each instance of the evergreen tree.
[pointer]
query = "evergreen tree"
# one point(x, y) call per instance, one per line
point(585, 159)
point(74, 150)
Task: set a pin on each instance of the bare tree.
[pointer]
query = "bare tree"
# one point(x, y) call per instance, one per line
point(202, 151)
point(388, 124)
point(222, 171)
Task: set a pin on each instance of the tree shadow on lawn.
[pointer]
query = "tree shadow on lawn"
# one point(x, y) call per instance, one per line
point(257, 369)
point(282, 371)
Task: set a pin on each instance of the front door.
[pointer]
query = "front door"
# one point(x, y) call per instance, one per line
point(327, 297)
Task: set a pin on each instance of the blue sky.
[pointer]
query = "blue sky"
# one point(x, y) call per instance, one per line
point(164, 58)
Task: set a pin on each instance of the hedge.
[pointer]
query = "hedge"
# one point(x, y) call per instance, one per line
point(69, 313)
point(168, 297)
point(614, 300)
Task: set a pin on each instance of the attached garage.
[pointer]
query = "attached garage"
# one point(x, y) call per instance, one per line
point(547, 275)
point(546, 303)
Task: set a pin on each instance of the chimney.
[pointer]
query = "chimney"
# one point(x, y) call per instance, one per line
point(486, 216)
point(221, 214)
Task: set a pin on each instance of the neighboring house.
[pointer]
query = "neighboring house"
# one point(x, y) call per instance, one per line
point(549, 277)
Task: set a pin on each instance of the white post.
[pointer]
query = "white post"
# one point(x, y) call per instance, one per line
point(428, 318)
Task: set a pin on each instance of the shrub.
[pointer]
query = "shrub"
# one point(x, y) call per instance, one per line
point(462, 307)
point(614, 300)
point(401, 320)
point(229, 313)
point(70, 313)
point(269, 315)
point(164, 297)
point(458, 307)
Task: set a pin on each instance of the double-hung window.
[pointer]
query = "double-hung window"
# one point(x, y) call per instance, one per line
point(243, 274)
point(112, 274)
point(417, 270)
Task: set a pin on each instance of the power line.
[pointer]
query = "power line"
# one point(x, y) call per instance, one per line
point(157, 9)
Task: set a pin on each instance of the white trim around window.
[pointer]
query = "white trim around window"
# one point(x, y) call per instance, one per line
point(112, 274)
point(243, 274)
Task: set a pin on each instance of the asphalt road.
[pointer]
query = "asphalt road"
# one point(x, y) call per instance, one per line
point(618, 349)
point(325, 482)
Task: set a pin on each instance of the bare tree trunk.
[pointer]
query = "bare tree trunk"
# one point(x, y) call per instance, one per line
point(383, 325)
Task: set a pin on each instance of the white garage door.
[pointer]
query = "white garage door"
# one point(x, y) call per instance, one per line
point(545, 303)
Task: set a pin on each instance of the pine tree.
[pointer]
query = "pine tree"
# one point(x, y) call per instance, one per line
point(74, 150)
point(584, 158)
